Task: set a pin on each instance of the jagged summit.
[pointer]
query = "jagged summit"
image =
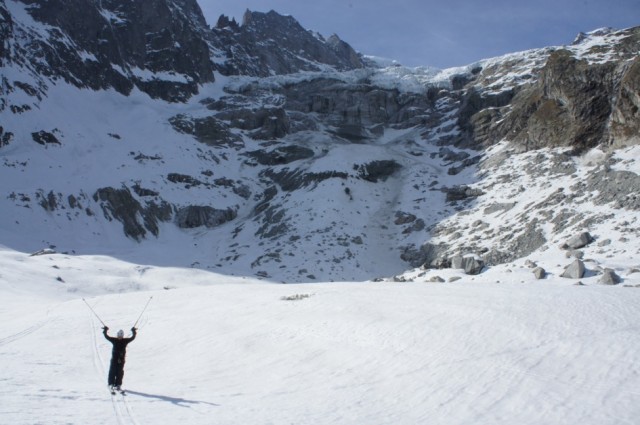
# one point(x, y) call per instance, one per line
point(273, 44)
point(161, 47)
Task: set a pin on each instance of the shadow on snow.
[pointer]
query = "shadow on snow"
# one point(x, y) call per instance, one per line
point(174, 400)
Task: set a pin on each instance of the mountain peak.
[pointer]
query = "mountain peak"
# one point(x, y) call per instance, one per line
point(157, 46)
point(270, 43)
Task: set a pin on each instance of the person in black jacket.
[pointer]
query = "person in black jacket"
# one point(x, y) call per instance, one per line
point(116, 369)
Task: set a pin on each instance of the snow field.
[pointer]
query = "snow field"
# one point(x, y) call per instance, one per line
point(217, 350)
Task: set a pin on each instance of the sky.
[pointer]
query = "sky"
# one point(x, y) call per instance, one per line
point(442, 33)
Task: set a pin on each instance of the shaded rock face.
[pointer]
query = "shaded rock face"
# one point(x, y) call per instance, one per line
point(281, 155)
point(117, 44)
point(269, 43)
point(164, 47)
point(377, 170)
point(571, 101)
point(625, 120)
point(198, 216)
point(121, 205)
point(208, 130)
point(570, 105)
point(5, 137)
point(6, 28)
point(265, 123)
point(290, 180)
point(353, 108)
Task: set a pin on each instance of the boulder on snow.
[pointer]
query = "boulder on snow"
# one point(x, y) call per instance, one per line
point(457, 262)
point(539, 273)
point(472, 265)
point(574, 270)
point(579, 241)
point(575, 253)
point(44, 251)
point(609, 277)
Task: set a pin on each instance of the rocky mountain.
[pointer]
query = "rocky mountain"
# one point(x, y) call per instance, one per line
point(264, 149)
point(271, 44)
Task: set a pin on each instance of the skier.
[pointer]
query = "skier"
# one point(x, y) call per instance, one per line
point(116, 369)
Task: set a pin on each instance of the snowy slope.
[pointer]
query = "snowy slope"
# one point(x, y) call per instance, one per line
point(217, 345)
point(342, 227)
point(215, 350)
point(133, 144)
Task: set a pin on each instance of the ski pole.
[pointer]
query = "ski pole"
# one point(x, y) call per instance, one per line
point(93, 311)
point(145, 307)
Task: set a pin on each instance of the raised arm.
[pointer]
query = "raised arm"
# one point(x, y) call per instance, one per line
point(104, 332)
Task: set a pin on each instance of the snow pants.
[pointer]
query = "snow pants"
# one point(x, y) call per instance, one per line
point(116, 372)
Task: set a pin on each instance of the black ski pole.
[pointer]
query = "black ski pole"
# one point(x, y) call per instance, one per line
point(96, 314)
point(145, 307)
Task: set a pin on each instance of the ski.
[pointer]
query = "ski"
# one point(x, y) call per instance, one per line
point(114, 391)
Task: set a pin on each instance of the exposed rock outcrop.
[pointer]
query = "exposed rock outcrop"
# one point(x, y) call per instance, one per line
point(270, 43)
point(158, 46)
point(121, 205)
point(578, 100)
point(197, 216)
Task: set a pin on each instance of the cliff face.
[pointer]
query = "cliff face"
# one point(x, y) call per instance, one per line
point(625, 118)
point(161, 47)
point(158, 46)
point(582, 96)
point(271, 44)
